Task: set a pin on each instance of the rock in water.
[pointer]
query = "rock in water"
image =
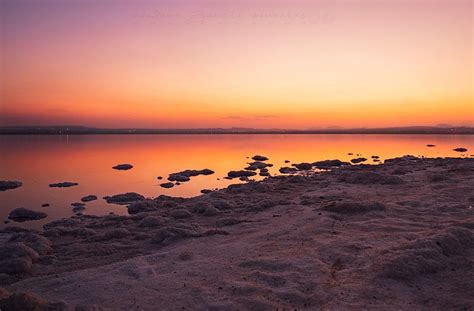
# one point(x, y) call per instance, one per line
point(358, 160)
point(184, 176)
point(9, 184)
point(125, 198)
point(287, 170)
point(303, 166)
point(122, 167)
point(235, 174)
point(24, 214)
point(167, 185)
point(259, 158)
point(63, 184)
point(329, 163)
point(89, 198)
point(460, 149)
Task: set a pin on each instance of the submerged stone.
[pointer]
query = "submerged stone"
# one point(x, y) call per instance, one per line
point(9, 184)
point(259, 158)
point(65, 184)
point(23, 214)
point(125, 198)
point(89, 198)
point(358, 160)
point(167, 185)
point(123, 167)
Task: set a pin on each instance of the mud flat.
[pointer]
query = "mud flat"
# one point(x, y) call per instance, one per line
point(398, 235)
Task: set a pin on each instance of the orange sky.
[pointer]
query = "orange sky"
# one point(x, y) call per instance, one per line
point(264, 64)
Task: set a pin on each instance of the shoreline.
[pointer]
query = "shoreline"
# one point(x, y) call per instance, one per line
point(369, 236)
point(240, 133)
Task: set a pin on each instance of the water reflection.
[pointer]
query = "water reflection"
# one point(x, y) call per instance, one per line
point(38, 161)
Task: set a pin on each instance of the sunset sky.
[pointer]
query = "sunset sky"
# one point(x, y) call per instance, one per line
point(262, 64)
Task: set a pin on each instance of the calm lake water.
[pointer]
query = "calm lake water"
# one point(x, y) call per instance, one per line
point(38, 161)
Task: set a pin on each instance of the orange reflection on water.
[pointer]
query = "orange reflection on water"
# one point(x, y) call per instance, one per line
point(40, 160)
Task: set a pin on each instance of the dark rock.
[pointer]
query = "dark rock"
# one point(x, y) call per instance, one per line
point(179, 178)
point(167, 185)
point(125, 198)
point(264, 173)
point(375, 157)
point(303, 166)
point(89, 198)
point(329, 163)
point(24, 214)
point(242, 173)
point(259, 158)
point(78, 209)
point(45, 205)
point(206, 171)
point(260, 165)
point(287, 161)
point(251, 168)
point(9, 184)
point(460, 149)
point(78, 204)
point(65, 184)
point(288, 170)
point(205, 191)
point(358, 160)
point(122, 167)
point(184, 176)
point(160, 178)
point(430, 145)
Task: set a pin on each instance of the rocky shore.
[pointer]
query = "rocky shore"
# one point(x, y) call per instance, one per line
point(393, 236)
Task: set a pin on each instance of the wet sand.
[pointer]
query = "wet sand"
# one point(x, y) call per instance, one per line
point(393, 236)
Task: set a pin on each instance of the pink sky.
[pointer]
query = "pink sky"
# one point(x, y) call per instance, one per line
point(285, 64)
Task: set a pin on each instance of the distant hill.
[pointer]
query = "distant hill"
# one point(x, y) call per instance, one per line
point(78, 130)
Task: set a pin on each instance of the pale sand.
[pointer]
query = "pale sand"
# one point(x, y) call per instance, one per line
point(394, 236)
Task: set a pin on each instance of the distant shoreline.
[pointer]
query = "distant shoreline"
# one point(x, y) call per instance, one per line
point(77, 130)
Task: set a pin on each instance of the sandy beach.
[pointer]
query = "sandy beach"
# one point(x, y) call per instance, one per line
point(393, 236)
